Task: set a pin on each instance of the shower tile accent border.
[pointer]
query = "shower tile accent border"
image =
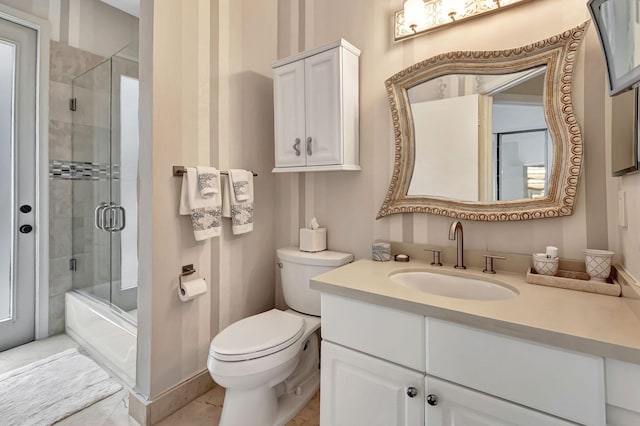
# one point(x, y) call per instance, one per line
point(80, 170)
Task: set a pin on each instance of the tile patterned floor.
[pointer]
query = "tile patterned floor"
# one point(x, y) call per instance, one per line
point(114, 410)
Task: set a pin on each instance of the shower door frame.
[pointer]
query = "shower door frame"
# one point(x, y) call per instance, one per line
point(42, 29)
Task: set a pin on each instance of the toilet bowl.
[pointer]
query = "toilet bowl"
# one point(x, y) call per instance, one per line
point(269, 363)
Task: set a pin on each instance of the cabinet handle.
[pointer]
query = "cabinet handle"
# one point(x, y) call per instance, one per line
point(412, 392)
point(296, 147)
point(432, 400)
point(309, 151)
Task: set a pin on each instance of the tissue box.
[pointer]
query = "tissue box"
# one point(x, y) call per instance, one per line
point(313, 240)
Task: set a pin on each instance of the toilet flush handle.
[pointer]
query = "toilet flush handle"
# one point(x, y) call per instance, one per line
point(280, 265)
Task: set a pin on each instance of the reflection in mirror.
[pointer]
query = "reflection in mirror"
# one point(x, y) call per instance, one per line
point(618, 25)
point(625, 157)
point(494, 131)
point(487, 135)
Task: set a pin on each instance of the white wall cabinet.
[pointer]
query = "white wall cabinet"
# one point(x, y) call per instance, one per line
point(316, 110)
point(358, 389)
point(478, 377)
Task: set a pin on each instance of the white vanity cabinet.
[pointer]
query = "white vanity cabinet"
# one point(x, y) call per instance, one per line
point(623, 393)
point(372, 356)
point(453, 405)
point(316, 110)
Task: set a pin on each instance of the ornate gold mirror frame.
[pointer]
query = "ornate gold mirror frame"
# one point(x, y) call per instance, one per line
point(558, 54)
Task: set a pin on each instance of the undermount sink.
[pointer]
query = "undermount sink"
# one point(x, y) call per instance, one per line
point(453, 285)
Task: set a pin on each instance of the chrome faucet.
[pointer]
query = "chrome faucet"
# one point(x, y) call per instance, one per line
point(456, 233)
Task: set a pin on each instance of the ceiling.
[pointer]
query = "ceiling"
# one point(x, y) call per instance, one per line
point(132, 7)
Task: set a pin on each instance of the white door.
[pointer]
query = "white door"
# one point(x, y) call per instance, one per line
point(360, 390)
point(450, 404)
point(323, 105)
point(289, 114)
point(18, 63)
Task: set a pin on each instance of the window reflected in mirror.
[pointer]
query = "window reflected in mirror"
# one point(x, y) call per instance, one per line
point(477, 135)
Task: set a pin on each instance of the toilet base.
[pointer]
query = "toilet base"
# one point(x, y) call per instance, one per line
point(276, 405)
point(290, 404)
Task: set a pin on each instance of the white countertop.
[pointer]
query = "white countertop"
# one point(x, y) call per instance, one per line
point(596, 324)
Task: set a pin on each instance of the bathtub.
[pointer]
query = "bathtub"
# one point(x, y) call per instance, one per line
point(103, 332)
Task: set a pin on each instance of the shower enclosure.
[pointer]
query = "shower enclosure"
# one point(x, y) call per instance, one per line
point(101, 311)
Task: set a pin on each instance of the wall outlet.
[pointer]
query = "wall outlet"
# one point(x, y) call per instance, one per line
point(622, 209)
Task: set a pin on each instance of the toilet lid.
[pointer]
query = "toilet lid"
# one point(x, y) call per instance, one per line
point(257, 336)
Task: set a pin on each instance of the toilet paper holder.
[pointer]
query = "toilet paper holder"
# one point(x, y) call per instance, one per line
point(186, 271)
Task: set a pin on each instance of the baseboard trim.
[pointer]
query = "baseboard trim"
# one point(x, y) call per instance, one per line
point(148, 412)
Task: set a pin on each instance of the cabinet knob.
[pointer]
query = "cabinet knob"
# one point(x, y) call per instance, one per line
point(432, 400)
point(309, 149)
point(296, 147)
point(412, 392)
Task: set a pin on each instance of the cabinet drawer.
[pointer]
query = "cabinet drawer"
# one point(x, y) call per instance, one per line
point(566, 384)
point(623, 384)
point(387, 333)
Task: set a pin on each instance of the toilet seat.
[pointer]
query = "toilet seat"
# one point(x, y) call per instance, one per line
point(257, 336)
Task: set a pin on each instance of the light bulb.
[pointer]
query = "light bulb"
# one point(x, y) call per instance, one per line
point(414, 14)
point(454, 8)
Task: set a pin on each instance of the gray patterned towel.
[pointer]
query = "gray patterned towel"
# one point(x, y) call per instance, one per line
point(208, 181)
point(240, 211)
point(206, 213)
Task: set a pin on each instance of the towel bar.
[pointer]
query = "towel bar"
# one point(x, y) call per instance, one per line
point(179, 171)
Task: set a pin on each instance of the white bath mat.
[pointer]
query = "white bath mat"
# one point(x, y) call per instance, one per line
point(51, 389)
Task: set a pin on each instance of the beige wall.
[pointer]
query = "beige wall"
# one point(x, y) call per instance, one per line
point(209, 89)
point(347, 202)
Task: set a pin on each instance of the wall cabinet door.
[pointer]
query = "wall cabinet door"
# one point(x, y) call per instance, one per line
point(449, 404)
point(289, 112)
point(362, 390)
point(323, 110)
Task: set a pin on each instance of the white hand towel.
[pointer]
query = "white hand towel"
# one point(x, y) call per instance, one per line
point(208, 181)
point(240, 179)
point(206, 213)
point(240, 212)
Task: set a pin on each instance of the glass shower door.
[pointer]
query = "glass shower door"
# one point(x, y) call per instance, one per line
point(105, 186)
point(91, 170)
point(124, 182)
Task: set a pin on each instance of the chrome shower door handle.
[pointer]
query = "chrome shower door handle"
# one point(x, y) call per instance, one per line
point(113, 218)
point(309, 150)
point(98, 216)
point(122, 219)
point(296, 147)
point(107, 219)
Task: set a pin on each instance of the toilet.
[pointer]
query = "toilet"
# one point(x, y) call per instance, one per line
point(269, 363)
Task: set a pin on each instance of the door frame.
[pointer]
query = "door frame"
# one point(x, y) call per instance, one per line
point(42, 29)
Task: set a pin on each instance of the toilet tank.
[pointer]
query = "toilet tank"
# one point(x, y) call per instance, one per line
point(296, 269)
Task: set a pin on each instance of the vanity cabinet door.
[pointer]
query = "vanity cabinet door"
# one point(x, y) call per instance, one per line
point(289, 112)
point(449, 404)
point(362, 390)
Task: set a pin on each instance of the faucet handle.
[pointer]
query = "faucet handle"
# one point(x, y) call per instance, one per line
point(488, 263)
point(435, 256)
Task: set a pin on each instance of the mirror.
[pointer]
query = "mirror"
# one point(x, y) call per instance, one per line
point(487, 135)
point(625, 157)
point(618, 25)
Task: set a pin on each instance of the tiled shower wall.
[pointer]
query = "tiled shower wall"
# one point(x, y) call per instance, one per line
point(66, 63)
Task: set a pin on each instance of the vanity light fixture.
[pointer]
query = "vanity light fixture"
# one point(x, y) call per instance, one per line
point(422, 16)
